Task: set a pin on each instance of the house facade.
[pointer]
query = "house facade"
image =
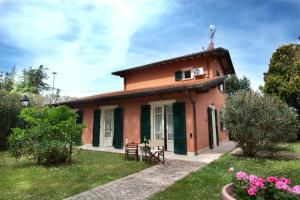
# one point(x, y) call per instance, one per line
point(176, 100)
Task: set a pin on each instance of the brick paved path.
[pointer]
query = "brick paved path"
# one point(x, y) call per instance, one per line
point(143, 184)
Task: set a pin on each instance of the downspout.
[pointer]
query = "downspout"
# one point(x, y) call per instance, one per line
point(194, 121)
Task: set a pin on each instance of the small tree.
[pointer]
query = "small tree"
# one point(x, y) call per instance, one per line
point(258, 123)
point(49, 136)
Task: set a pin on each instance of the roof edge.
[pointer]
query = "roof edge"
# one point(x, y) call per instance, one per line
point(219, 49)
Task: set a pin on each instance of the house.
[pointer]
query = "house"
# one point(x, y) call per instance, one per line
point(177, 100)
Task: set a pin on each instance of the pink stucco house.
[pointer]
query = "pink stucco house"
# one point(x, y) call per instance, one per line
point(177, 100)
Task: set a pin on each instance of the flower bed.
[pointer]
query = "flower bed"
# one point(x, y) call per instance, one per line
point(253, 187)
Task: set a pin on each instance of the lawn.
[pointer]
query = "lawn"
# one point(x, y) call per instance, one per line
point(294, 147)
point(208, 182)
point(24, 179)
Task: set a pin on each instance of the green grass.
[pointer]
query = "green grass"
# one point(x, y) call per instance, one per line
point(293, 147)
point(208, 182)
point(25, 179)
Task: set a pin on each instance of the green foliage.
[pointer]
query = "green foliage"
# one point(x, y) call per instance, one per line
point(258, 123)
point(234, 84)
point(207, 183)
point(10, 107)
point(33, 80)
point(7, 80)
point(24, 180)
point(49, 135)
point(283, 76)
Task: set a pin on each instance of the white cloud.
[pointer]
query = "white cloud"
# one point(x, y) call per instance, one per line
point(82, 41)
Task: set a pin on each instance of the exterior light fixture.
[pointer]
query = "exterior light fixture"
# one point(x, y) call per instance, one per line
point(25, 101)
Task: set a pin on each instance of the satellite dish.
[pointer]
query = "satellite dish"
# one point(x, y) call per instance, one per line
point(212, 27)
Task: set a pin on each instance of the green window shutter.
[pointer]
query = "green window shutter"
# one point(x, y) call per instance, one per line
point(96, 128)
point(118, 128)
point(217, 126)
point(79, 117)
point(180, 146)
point(145, 123)
point(178, 76)
point(210, 127)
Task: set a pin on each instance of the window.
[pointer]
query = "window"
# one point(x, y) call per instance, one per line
point(187, 74)
point(183, 74)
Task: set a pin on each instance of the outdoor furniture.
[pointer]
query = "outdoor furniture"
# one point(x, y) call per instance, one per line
point(154, 152)
point(131, 149)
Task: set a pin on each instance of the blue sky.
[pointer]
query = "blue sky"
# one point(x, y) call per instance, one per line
point(84, 41)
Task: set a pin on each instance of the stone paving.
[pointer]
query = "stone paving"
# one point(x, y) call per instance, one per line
point(143, 184)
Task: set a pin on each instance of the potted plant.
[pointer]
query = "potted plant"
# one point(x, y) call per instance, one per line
point(246, 187)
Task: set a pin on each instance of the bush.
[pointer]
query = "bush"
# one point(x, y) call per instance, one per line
point(259, 123)
point(49, 135)
point(10, 108)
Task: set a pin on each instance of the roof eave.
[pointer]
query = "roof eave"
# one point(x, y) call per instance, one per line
point(197, 87)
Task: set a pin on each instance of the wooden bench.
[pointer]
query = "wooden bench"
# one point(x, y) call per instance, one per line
point(131, 149)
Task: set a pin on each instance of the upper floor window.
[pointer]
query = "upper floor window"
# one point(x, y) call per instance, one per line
point(184, 74)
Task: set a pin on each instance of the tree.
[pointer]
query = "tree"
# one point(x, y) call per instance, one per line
point(10, 108)
point(259, 122)
point(33, 80)
point(234, 84)
point(7, 80)
point(283, 76)
point(49, 135)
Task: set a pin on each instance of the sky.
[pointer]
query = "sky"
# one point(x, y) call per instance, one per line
point(84, 41)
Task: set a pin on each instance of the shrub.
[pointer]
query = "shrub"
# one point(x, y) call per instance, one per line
point(254, 187)
point(49, 135)
point(258, 123)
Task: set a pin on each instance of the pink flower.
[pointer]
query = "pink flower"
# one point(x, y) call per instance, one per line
point(241, 176)
point(252, 191)
point(282, 186)
point(252, 178)
point(296, 189)
point(272, 179)
point(259, 184)
point(285, 180)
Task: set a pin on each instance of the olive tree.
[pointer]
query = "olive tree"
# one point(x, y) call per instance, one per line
point(258, 122)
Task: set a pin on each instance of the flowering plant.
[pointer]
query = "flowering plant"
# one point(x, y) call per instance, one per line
point(253, 187)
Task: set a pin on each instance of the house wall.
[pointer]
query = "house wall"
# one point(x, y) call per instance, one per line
point(215, 97)
point(131, 124)
point(165, 74)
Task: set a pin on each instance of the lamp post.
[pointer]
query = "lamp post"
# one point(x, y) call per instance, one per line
point(25, 101)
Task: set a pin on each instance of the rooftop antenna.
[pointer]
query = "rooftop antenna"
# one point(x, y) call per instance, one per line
point(212, 29)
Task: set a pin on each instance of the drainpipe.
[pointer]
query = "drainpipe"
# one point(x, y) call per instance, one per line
point(194, 121)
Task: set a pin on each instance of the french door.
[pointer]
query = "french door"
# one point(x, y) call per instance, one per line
point(163, 125)
point(108, 127)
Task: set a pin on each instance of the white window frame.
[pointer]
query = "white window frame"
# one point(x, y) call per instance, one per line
point(187, 69)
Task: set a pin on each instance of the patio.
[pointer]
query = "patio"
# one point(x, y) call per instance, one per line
point(204, 156)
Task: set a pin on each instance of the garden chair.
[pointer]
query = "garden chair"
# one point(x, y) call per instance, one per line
point(155, 152)
point(131, 149)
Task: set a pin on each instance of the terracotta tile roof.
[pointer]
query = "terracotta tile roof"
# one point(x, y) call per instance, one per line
point(198, 85)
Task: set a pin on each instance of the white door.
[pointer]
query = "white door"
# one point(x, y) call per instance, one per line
point(213, 116)
point(158, 123)
point(108, 127)
point(170, 129)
